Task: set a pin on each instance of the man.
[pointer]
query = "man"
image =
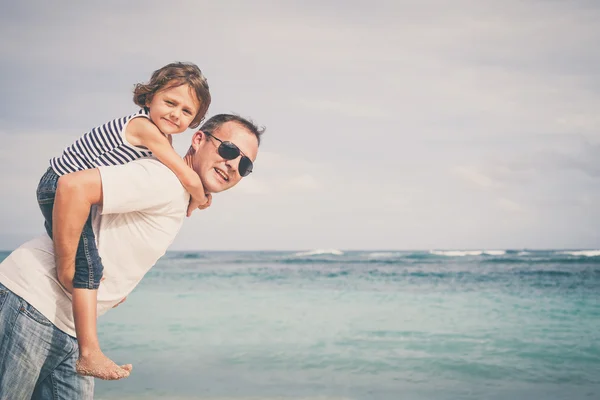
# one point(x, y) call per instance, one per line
point(137, 210)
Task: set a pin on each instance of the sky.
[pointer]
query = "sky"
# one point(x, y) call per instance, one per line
point(408, 125)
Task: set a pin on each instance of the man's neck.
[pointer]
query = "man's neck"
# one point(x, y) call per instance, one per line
point(188, 158)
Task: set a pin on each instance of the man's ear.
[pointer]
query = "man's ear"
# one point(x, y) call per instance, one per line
point(197, 138)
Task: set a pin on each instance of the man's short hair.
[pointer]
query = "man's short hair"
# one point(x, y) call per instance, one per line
point(214, 122)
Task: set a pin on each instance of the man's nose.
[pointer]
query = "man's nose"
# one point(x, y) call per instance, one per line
point(231, 165)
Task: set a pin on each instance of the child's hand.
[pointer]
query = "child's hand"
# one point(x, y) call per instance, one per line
point(201, 204)
point(207, 204)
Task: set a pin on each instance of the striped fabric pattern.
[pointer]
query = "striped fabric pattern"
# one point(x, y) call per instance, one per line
point(102, 146)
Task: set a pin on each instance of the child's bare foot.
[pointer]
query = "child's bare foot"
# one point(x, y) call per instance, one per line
point(96, 364)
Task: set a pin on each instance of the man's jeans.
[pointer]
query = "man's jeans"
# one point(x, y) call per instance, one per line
point(37, 360)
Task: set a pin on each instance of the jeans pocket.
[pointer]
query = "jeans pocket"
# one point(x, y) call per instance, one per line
point(45, 198)
point(31, 312)
point(46, 190)
point(3, 295)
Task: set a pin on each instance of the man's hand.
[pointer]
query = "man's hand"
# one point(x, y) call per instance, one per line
point(201, 205)
point(124, 298)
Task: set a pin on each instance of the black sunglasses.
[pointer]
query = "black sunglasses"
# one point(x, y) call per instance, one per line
point(230, 151)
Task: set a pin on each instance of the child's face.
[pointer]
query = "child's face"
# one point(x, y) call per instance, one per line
point(173, 109)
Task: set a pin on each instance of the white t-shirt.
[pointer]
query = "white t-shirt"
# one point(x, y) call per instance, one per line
point(143, 208)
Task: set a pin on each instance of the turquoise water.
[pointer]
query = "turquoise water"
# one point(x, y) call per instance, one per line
point(361, 325)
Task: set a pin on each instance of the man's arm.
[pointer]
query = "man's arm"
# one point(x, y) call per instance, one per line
point(75, 195)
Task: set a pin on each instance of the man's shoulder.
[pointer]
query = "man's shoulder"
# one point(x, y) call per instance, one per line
point(140, 185)
point(152, 166)
point(158, 171)
point(150, 163)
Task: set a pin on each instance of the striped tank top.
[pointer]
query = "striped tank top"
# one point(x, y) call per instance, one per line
point(102, 146)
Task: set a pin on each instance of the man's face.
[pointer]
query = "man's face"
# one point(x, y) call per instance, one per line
point(216, 173)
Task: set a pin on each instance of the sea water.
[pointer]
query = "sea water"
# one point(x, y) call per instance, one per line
point(329, 324)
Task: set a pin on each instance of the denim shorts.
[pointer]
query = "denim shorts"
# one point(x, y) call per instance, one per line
point(88, 265)
point(37, 360)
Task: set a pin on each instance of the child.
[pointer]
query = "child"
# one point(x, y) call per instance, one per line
point(177, 97)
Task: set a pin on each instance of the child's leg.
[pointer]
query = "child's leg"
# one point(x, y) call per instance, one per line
point(88, 271)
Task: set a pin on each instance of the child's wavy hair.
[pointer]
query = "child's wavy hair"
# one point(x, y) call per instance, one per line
point(173, 75)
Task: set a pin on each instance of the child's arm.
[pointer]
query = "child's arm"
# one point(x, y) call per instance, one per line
point(142, 132)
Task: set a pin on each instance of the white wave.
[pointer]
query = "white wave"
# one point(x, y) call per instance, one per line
point(494, 252)
point(456, 253)
point(462, 253)
point(319, 252)
point(582, 253)
point(523, 253)
point(381, 255)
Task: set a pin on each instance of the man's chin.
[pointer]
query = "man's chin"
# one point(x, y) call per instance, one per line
point(213, 187)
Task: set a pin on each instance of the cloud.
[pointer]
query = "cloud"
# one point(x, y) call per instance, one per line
point(509, 205)
point(586, 160)
point(304, 183)
point(342, 108)
point(254, 186)
point(472, 175)
point(549, 160)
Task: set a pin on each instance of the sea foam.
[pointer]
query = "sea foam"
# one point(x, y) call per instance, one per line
point(319, 252)
point(462, 253)
point(582, 253)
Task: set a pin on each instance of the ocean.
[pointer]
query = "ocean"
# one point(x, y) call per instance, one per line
point(331, 324)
